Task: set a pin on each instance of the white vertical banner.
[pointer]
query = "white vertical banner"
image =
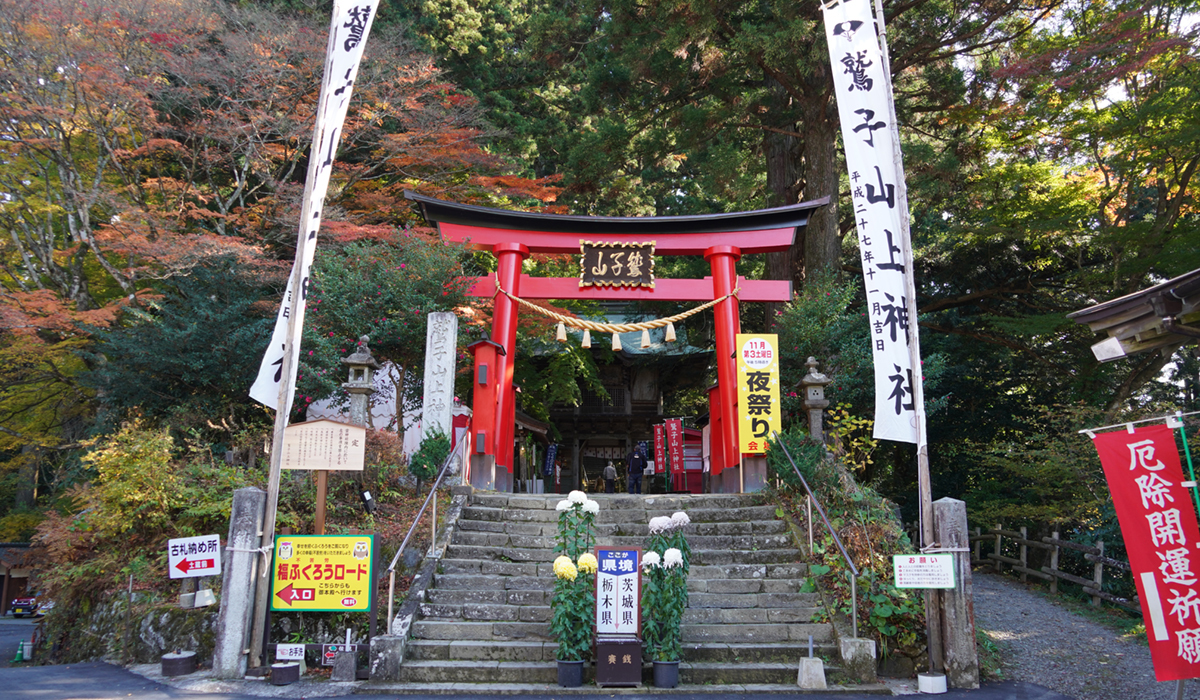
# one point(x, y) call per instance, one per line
point(864, 100)
point(349, 27)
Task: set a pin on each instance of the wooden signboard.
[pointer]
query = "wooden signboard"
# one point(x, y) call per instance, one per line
point(616, 264)
point(324, 445)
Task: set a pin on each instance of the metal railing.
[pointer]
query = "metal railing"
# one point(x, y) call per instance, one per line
point(812, 498)
point(461, 447)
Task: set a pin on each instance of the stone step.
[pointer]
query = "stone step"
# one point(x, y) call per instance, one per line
point(732, 612)
point(449, 596)
point(774, 632)
point(466, 650)
point(619, 514)
point(457, 630)
point(632, 529)
point(697, 542)
point(488, 567)
point(492, 671)
point(489, 583)
point(699, 558)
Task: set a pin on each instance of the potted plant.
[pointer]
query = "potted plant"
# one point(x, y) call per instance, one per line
point(574, 601)
point(665, 596)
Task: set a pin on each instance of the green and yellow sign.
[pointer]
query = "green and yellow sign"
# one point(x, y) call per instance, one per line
point(322, 572)
point(758, 390)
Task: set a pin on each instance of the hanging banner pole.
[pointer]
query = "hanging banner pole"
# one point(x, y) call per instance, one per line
point(349, 27)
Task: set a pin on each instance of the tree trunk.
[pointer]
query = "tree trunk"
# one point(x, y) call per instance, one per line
point(784, 180)
point(822, 241)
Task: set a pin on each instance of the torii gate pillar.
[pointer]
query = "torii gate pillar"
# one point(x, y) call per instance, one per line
point(723, 261)
point(509, 257)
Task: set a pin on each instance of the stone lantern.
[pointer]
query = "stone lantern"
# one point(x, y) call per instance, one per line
point(361, 383)
point(814, 399)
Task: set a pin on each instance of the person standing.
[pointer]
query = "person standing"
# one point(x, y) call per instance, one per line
point(610, 478)
point(635, 464)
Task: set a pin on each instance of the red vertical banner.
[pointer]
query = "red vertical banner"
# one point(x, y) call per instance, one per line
point(1160, 531)
point(675, 444)
point(660, 449)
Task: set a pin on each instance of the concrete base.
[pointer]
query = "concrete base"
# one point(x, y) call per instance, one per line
point(482, 467)
point(812, 674)
point(345, 667)
point(858, 659)
point(387, 655)
point(503, 480)
point(756, 474)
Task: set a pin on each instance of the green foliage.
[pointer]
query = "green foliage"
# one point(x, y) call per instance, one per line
point(868, 528)
point(429, 457)
point(19, 527)
point(573, 606)
point(188, 356)
point(806, 453)
point(667, 563)
point(385, 290)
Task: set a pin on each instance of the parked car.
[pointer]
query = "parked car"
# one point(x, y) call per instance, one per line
point(24, 606)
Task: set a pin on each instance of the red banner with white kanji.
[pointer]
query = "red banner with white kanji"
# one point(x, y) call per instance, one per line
point(660, 449)
point(1161, 537)
point(675, 444)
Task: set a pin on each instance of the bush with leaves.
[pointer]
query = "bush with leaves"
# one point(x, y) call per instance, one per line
point(870, 530)
point(430, 456)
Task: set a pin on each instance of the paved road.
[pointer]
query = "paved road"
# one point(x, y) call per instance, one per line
point(12, 632)
point(100, 681)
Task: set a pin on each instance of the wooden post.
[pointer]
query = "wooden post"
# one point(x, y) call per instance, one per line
point(1098, 574)
point(1024, 555)
point(978, 545)
point(997, 547)
point(322, 490)
point(956, 606)
point(808, 516)
point(1054, 566)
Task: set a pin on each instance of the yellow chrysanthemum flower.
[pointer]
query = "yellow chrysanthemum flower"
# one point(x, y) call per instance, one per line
point(564, 568)
point(588, 563)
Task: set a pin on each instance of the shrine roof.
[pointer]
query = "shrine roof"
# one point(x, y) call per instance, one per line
point(1161, 316)
point(680, 235)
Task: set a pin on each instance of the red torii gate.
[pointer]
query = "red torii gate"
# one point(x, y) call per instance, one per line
point(512, 235)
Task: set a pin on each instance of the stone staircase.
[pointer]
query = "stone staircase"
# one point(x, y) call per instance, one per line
point(485, 616)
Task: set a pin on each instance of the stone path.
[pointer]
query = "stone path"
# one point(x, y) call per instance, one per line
point(1045, 643)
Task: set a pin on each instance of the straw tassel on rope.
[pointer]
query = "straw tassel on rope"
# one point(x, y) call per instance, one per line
point(616, 346)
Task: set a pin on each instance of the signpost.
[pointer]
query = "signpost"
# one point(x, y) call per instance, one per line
point(329, 652)
point(189, 557)
point(330, 573)
point(675, 449)
point(619, 590)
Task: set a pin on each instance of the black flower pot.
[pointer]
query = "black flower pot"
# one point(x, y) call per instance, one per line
point(570, 674)
point(666, 674)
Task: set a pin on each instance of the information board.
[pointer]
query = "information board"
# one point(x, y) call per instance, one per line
point(619, 590)
point(322, 572)
point(324, 444)
point(923, 570)
point(759, 411)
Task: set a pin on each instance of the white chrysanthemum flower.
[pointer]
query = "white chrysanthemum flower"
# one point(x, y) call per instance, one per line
point(587, 563)
point(578, 497)
point(659, 524)
point(563, 505)
point(672, 558)
point(680, 519)
point(591, 506)
point(650, 560)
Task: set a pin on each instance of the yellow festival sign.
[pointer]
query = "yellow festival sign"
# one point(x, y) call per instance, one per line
point(758, 390)
point(322, 572)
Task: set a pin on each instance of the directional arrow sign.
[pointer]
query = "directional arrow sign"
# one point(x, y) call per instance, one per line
point(290, 595)
point(188, 557)
point(205, 566)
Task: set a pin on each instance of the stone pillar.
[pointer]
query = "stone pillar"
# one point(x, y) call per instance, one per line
point(957, 607)
point(441, 342)
point(237, 583)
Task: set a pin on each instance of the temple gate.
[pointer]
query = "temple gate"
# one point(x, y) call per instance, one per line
point(513, 235)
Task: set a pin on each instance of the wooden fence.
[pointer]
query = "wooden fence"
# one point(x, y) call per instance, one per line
point(1051, 573)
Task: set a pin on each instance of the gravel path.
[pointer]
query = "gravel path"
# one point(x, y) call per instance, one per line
point(1046, 644)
